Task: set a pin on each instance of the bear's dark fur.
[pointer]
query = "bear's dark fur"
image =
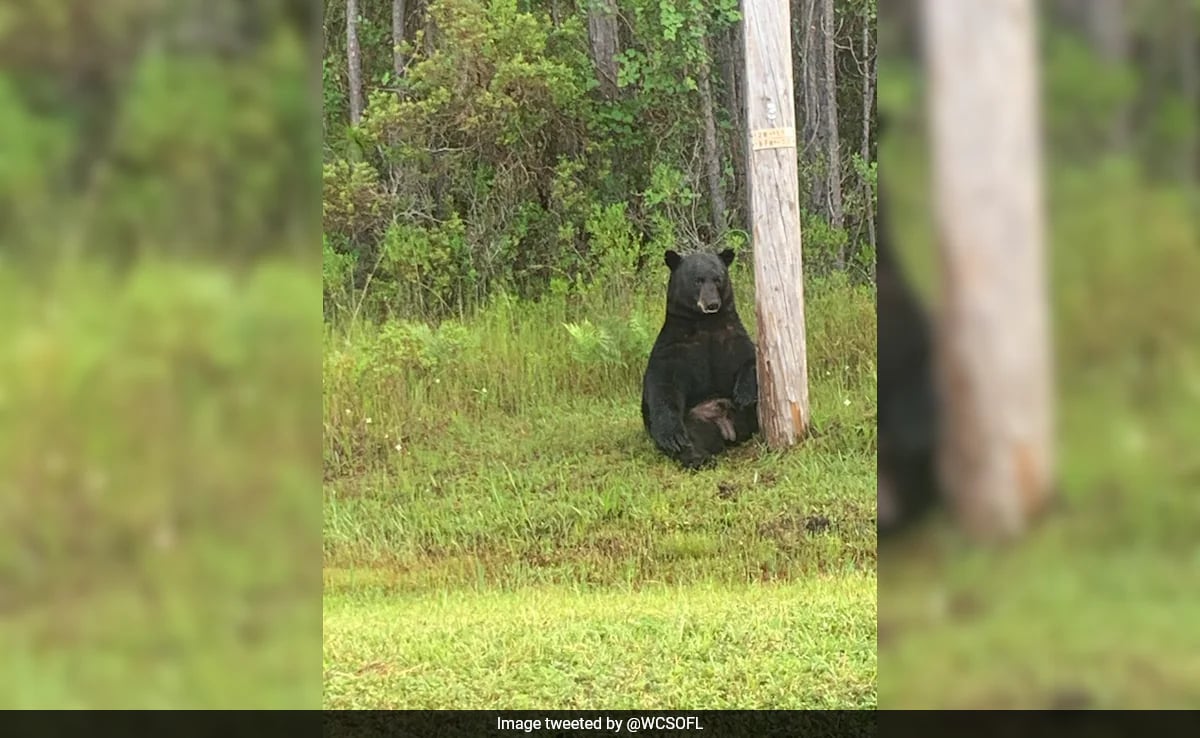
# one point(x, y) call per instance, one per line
point(700, 391)
point(907, 425)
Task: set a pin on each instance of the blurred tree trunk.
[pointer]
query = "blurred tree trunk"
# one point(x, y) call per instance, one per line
point(1105, 26)
point(868, 100)
point(602, 35)
point(1109, 29)
point(993, 354)
point(829, 110)
point(712, 153)
point(397, 37)
point(353, 62)
point(1189, 72)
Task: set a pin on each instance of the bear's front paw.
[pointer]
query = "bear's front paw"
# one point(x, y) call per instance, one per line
point(694, 459)
point(745, 389)
point(677, 443)
point(744, 399)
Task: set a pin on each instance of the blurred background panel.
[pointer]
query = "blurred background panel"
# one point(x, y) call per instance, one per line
point(159, 356)
point(1096, 605)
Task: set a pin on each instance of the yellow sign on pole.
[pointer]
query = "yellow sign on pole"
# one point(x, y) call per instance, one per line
point(773, 138)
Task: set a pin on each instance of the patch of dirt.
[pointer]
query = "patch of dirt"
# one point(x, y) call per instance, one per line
point(727, 490)
point(886, 634)
point(767, 479)
point(816, 524)
point(793, 526)
point(375, 667)
point(964, 606)
point(536, 558)
point(1071, 698)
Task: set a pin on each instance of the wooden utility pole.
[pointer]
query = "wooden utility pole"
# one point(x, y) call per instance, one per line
point(775, 218)
point(993, 360)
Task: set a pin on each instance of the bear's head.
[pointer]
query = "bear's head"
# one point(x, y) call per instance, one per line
point(699, 284)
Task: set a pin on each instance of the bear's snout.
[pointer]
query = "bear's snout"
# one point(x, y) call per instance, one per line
point(710, 299)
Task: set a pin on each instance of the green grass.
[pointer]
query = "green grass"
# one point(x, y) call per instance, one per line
point(578, 494)
point(495, 467)
point(1098, 605)
point(800, 645)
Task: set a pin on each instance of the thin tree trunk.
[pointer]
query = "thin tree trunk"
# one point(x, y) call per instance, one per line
point(993, 356)
point(397, 37)
point(809, 73)
point(430, 32)
point(1109, 30)
point(712, 154)
point(833, 157)
point(732, 64)
point(1189, 72)
point(867, 106)
point(602, 36)
point(808, 108)
point(353, 62)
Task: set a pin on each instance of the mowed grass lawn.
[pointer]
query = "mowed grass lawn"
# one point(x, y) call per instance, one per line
point(799, 644)
point(500, 532)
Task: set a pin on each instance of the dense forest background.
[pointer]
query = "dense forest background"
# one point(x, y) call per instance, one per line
point(479, 146)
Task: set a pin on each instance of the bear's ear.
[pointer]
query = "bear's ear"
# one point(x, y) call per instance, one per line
point(673, 258)
point(727, 256)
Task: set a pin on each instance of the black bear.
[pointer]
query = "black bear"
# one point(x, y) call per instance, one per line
point(700, 391)
point(907, 423)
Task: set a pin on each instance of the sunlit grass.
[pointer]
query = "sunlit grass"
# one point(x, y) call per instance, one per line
point(806, 644)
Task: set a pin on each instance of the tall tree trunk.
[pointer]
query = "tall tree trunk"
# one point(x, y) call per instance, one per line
point(430, 32)
point(353, 62)
point(808, 102)
point(1189, 73)
point(1109, 30)
point(868, 99)
point(732, 63)
point(602, 36)
point(712, 154)
point(993, 355)
point(397, 37)
point(833, 157)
